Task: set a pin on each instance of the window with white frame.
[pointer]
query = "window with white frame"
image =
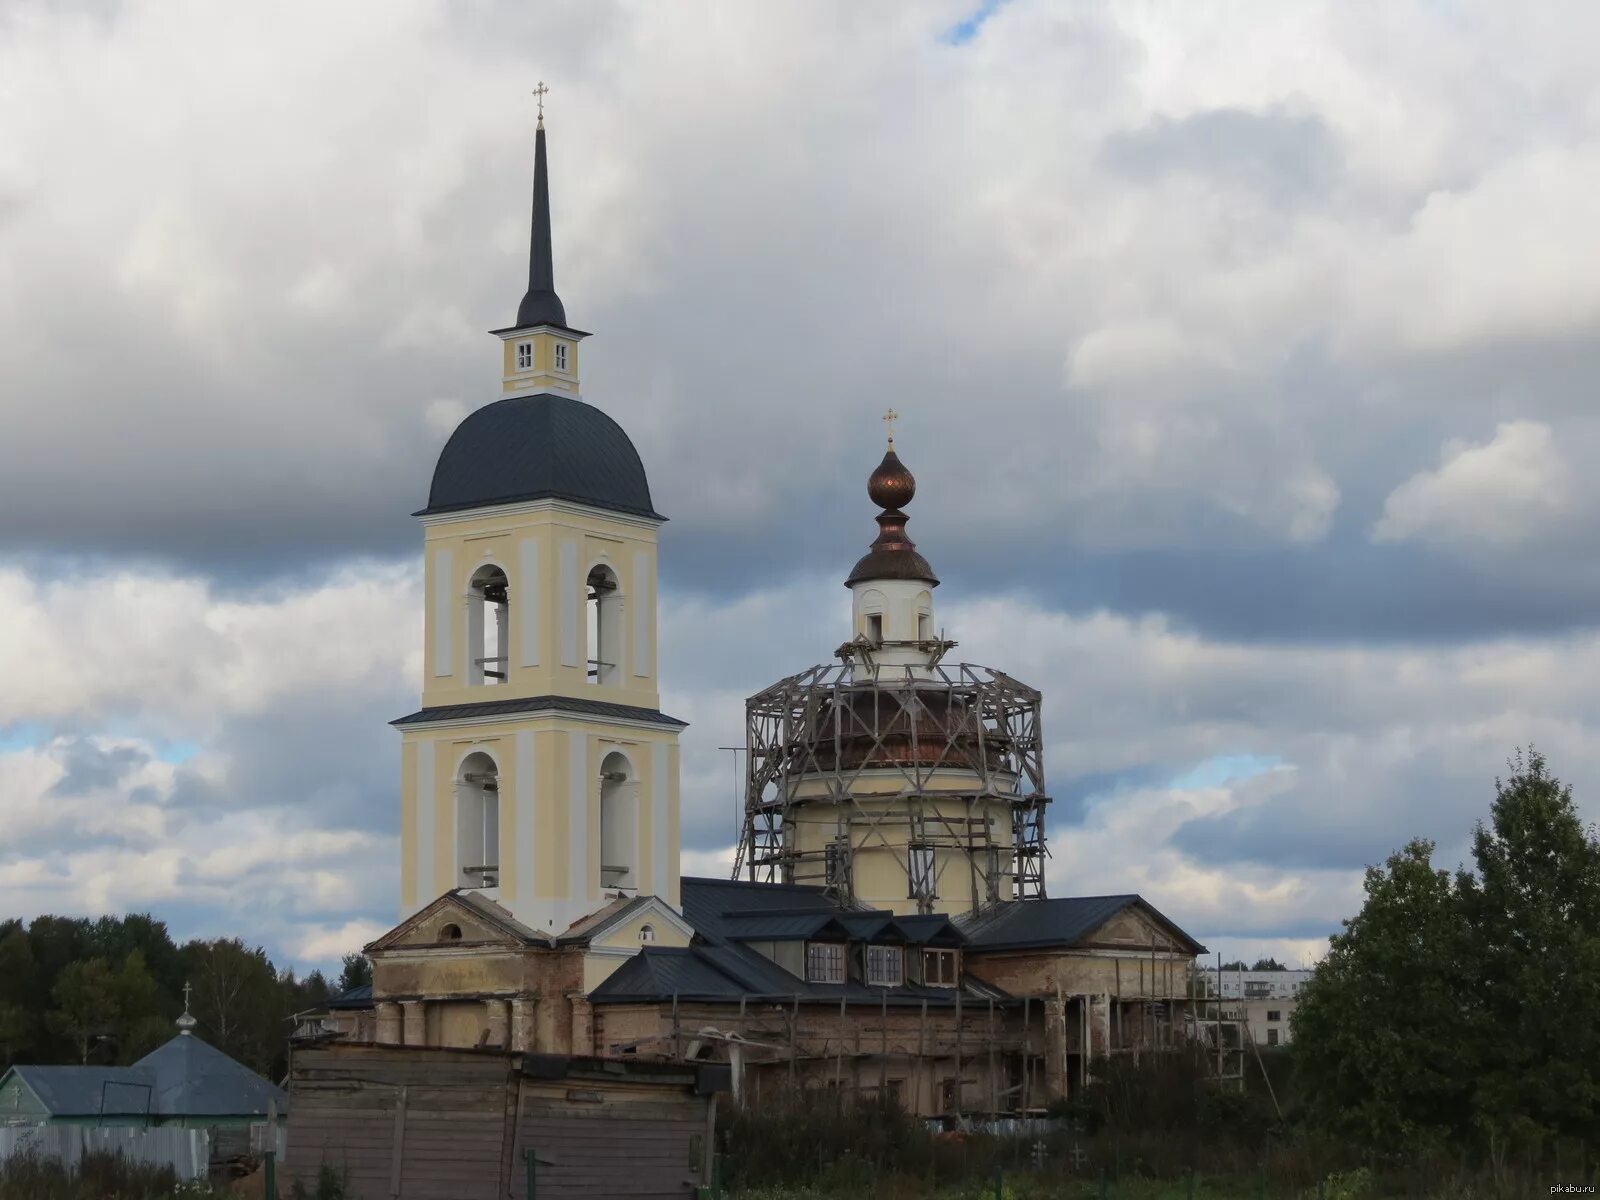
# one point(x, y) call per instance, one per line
point(647, 933)
point(561, 356)
point(824, 962)
point(886, 966)
point(524, 355)
point(940, 968)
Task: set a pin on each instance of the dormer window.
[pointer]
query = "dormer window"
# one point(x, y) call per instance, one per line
point(561, 356)
point(824, 962)
point(524, 356)
point(886, 966)
point(940, 968)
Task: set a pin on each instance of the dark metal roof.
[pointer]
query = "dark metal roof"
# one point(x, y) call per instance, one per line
point(538, 448)
point(780, 927)
point(80, 1091)
point(185, 1077)
point(530, 704)
point(719, 966)
point(1065, 921)
point(356, 997)
point(194, 1078)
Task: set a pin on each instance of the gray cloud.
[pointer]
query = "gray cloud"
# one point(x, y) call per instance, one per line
point(1171, 343)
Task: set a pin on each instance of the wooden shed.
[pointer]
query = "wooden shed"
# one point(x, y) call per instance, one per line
point(424, 1123)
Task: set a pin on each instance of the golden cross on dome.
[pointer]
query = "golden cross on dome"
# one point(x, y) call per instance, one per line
point(539, 94)
point(889, 418)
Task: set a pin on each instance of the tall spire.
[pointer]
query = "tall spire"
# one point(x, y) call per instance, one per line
point(541, 306)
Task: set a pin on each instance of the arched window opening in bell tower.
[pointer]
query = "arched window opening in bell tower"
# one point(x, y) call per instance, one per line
point(488, 632)
point(477, 792)
point(604, 626)
point(619, 823)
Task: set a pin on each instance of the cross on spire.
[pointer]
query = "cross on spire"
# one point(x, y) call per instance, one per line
point(889, 418)
point(186, 1022)
point(539, 94)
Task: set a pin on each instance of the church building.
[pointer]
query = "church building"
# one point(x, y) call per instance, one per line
point(887, 929)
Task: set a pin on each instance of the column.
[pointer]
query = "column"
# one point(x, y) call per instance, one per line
point(389, 1031)
point(1055, 1049)
point(582, 1032)
point(523, 1011)
point(414, 1017)
point(499, 1014)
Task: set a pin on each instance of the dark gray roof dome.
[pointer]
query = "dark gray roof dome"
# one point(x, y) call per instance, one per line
point(536, 448)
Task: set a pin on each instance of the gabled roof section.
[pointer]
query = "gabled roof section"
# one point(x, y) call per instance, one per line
point(88, 1091)
point(506, 929)
point(1062, 922)
point(619, 911)
point(721, 965)
point(194, 1078)
point(785, 927)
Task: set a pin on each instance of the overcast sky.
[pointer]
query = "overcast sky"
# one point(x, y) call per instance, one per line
point(1246, 356)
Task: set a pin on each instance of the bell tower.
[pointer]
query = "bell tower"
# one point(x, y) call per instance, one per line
point(540, 770)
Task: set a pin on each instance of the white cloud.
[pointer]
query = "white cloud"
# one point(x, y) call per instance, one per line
point(1508, 491)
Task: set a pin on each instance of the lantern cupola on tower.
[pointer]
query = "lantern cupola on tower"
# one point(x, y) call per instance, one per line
point(892, 584)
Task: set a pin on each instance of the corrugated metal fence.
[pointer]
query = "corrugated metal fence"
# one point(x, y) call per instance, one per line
point(186, 1151)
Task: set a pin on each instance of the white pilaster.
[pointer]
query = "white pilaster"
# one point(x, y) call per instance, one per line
point(528, 602)
point(444, 613)
point(526, 845)
point(578, 818)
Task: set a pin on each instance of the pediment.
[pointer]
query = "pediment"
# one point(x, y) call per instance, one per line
point(460, 919)
point(1137, 927)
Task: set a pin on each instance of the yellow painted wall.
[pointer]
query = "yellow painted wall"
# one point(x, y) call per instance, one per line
point(544, 660)
point(559, 872)
point(879, 871)
point(542, 374)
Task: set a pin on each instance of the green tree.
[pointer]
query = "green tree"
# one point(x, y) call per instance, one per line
point(19, 994)
point(239, 1001)
point(1384, 1034)
point(86, 1004)
point(1268, 964)
point(1534, 908)
point(357, 972)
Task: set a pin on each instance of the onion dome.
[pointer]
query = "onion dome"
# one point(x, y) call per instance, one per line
point(893, 554)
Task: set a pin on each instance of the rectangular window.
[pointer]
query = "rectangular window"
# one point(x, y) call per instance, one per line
point(824, 962)
point(875, 628)
point(886, 966)
point(1274, 1014)
point(1272, 1037)
point(524, 355)
point(939, 968)
point(920, 878)
point(924, 627)
point(561, 356)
